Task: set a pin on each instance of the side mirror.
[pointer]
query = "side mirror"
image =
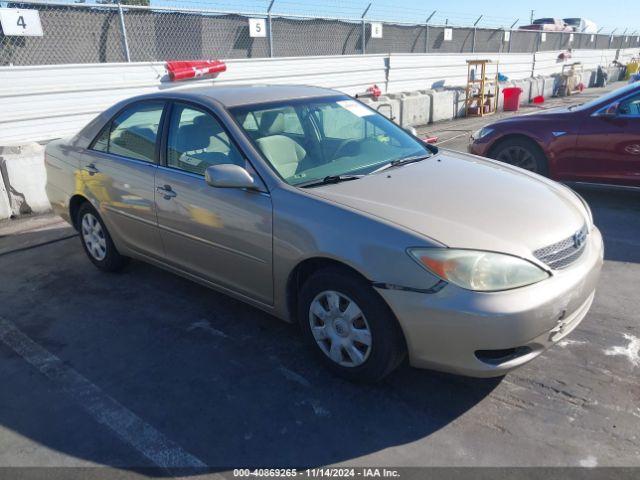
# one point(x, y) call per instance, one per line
point(229, 175)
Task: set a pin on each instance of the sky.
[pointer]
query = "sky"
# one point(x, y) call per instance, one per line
point(497, 13)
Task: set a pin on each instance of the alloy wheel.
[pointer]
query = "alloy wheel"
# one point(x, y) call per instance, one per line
point(93, 237)
point(340, 328)
point(519, 157)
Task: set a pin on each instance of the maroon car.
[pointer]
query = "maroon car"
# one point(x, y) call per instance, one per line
point(595, 142)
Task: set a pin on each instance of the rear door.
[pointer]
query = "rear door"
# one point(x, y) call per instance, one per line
point(608, 147)
point(118, 171)
point(223, 235)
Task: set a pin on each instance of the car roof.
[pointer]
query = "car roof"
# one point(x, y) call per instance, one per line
point(233, 96)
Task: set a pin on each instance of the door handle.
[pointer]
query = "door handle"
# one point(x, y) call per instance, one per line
point(167, 192)
point(90, 169)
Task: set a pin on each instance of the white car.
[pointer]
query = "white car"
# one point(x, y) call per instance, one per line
point(581, 25)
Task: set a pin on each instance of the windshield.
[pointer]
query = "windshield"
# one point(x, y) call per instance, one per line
point(603, 100)
point(312, 139)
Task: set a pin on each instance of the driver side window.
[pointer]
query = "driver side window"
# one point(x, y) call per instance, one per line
point(197, 140)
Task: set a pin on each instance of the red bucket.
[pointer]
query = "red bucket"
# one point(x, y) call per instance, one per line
point(512, 99)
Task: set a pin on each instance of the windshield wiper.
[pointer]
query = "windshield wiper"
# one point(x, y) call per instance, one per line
point(402, 161)
point(329, 179)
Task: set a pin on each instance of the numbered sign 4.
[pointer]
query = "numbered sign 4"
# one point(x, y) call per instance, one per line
point(19, 22)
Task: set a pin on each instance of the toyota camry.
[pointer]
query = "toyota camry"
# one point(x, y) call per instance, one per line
point(313, 207)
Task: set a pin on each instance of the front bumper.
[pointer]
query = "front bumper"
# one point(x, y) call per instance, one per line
point(478, 147)
point(445, 330)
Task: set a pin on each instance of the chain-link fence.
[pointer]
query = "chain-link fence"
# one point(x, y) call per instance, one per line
point(84, 33)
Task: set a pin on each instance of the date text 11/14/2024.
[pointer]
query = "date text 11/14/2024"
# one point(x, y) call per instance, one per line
point(328, 472)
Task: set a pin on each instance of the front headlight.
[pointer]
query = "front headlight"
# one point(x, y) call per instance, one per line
point(478, 270)
point(483, 132)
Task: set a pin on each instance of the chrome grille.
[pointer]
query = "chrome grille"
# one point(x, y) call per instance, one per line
point(563, 253)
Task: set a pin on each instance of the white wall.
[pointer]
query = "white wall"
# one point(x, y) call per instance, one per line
point(40, 103)
point(547, 63)
point(422, 71)
point(44, 102)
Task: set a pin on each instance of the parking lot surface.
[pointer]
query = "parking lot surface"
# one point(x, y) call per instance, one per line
point(144, 369)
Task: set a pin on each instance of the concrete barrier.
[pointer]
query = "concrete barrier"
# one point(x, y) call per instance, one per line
point(416, 109)
point(5, 208)
point(588, 78)
point(459, 102)
point(615, 73)
point(22, 168)
point(442, 105)
point(537, 88)
point(549, 86)
point(525, 85)
point(502, 85)
point(388, 105)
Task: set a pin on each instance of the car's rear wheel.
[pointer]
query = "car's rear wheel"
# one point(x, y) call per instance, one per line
point(350, 326)
point(522, 153)
point(97, 242)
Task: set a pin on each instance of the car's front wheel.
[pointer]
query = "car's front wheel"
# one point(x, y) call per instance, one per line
point(97, 242)
point(350, 326)
point(521, 153)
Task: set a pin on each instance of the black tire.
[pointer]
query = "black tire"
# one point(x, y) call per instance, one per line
point(111, 261)
point(523, 153)
point(387, 346)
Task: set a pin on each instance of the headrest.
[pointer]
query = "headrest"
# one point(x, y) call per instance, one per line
point(198, 135)
point(271, 122)
point(207, 123)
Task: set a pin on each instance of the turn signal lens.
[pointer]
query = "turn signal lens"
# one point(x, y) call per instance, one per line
point(478, 270)
point(483, 132)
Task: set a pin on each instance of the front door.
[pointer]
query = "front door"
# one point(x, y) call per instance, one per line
point(608, 147)
point(223, 235)
point(118, 172)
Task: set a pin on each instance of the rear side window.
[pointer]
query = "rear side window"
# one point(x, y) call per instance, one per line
point(132, 133)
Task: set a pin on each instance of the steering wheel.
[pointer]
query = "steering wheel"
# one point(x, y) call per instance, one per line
point(344, 144)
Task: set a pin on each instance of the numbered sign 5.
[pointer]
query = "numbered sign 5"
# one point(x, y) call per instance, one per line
point(257, 27)
point(19, 22)
point(376, 30)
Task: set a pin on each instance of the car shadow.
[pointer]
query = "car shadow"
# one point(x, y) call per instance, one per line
point(617, 215)
point(231, 385)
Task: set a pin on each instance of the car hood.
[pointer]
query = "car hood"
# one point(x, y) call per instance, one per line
point(552, 113)
point(464, 201)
